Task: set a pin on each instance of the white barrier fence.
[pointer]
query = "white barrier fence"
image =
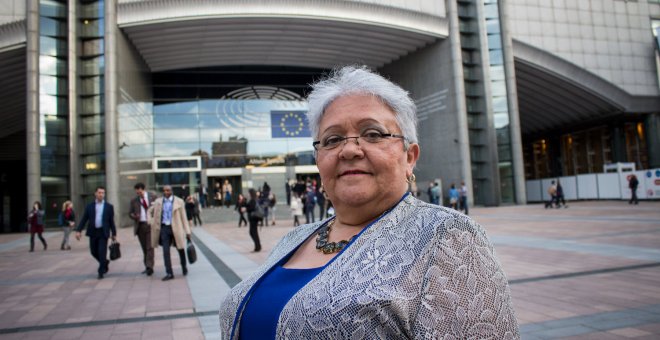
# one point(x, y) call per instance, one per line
point(598, 186)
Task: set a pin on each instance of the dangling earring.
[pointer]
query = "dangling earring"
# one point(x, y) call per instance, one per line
point(411, 179)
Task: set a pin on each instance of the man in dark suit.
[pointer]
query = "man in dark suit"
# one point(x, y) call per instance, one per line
point(139, 213)
point(100, 219)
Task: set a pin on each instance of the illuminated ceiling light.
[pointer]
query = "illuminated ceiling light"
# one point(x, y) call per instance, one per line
point(91, 166)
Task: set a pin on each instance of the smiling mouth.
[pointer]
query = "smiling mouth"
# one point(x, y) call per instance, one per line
point(354, 172)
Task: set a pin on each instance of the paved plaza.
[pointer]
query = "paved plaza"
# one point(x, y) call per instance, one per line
point(591, 271)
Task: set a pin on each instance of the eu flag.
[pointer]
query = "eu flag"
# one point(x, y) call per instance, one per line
point(289, 124)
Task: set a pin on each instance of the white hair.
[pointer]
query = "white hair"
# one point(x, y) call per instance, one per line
point(350, 80)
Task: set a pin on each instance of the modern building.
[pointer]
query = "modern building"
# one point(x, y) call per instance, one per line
point(111, 92)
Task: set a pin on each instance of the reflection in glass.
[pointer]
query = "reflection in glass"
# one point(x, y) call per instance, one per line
point(52, 65)
point(52, 46)
point(52, 85)
point(92, 28)
point(52, 9)
point(493, 26)
point(94, 66)
point(53, 105)
point(497, 72)
point(187, 107)
point(496, 57)
point(491, 11)
point(494, 41)
point(52, 27)
point(500, 104)
point(498, 88)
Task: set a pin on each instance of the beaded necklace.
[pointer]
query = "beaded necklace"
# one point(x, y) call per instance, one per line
point(326, 247)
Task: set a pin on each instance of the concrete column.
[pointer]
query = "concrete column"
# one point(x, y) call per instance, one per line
point(493, 196)
point(111, 144)
point(33, 116)
point(652, 128)
point(512, 101)
point(459, 96)
point(75, 178)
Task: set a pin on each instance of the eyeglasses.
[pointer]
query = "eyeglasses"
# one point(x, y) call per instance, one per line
point(370, 137)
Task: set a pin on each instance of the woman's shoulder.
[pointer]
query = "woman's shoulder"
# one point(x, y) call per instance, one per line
point(439, 221)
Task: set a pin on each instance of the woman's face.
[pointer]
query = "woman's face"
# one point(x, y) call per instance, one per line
point(359, 174)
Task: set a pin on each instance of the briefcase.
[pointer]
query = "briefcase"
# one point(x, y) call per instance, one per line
point(115, 252)
point(191, 252)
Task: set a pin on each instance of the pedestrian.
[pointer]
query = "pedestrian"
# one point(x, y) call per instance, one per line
point(435, 193)
point(463, 196)
point(453, 197)
point(190, 210)
point(197, 218)
point(241, 208)
point(264, 202)
point(99, 216)
point(36, 224)
point(320, 201)
point(296, 209)
point(310, 202)
point(227, 192)
point(201, 191)
point(265, 189)
point(552, 192)
point(632, 184)
point(139, 212)
point(299, 188)
point(272, 201)
point(287, 189)
point(253, 209)
point(559, 195)
point(169, 228)
point(66, 220)
point(217, 195)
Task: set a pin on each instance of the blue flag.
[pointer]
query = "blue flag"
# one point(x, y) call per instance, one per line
point(289, 124)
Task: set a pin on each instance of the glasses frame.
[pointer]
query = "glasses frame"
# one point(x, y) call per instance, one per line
point(317, 144)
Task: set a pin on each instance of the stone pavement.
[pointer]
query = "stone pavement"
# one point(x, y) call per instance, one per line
point(588, 272)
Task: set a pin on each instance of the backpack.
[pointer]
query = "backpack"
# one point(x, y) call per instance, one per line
point(60, 219)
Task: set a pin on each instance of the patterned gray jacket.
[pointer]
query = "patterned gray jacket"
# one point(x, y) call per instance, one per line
point(421, 271)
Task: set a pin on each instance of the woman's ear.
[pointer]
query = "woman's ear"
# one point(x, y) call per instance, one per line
point(412, 155)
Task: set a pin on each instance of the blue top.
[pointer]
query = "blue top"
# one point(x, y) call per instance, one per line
point(272, 293)
point(453, 193)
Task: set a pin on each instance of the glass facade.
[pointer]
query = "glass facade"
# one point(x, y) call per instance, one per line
point(499, 100)
point(228, 118)
point(91, 66)
point(53, 104)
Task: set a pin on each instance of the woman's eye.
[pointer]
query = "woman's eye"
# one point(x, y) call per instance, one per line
point(372, 135)
point(333, 140)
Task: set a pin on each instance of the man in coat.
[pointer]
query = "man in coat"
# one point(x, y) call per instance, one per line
point(99, 217)
point(170, 225)
point(139, 212)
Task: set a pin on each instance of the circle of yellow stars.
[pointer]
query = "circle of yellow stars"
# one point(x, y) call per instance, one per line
point(297, 130)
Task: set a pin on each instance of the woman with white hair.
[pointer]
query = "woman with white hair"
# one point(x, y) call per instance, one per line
point(387, 265)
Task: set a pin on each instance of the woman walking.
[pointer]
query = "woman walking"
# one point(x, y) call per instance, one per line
point(241, 208)
point(67, 221)
point(36, 224)
point(255, 213)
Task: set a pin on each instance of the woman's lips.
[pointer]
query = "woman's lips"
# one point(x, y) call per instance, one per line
point(353, 172)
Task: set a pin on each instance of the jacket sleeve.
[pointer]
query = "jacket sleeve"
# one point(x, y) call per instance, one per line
point(83, 220)
point(464, 293)
point(184, 222)
point(131, 211)
point(111, 220)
